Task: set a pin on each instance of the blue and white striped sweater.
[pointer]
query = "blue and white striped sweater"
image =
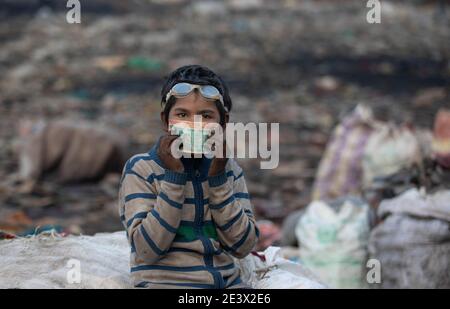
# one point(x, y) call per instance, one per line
point(184, 228)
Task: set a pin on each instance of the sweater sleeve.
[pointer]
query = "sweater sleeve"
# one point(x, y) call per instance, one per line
point(151, 218)
point(232, 212)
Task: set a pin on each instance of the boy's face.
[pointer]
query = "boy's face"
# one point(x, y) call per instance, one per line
point(187, 107)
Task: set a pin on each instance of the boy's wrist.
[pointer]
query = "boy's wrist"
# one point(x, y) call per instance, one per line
point(175, 177)
point(217, 180)
point(217, 166)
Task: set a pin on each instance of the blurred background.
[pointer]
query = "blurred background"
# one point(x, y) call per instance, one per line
point(76, 100)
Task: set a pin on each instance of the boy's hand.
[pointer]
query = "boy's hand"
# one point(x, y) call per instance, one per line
point(165, 154)
point(218, 164)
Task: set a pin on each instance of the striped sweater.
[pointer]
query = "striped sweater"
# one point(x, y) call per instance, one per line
point(184, 228)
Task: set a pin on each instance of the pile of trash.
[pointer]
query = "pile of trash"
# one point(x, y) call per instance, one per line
point(382, 193)
point(109, 70)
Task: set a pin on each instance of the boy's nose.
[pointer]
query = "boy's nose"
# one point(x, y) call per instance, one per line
point(192, 118)
point(195, 118)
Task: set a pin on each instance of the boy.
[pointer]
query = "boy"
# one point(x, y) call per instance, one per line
point(186, 217)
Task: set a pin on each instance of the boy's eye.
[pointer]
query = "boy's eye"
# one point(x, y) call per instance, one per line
point(206, 116)
point(181, 115)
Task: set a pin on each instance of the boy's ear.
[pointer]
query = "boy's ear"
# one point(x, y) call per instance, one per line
point(165, 125)
point(227, 119)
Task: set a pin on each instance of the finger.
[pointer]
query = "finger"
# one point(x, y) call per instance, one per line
point(167, 140)
point(170, 141)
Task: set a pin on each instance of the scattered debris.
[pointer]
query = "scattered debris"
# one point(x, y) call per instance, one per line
point(269, 234)
point(441, 138)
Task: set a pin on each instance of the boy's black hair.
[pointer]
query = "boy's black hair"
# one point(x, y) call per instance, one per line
point(200, 75)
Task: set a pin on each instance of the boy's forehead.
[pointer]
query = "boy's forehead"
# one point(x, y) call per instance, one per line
point(194, 101)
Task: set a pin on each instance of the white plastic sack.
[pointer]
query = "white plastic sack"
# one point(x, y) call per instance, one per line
point(276, 272)
point(46, 262)
point(333, 243)
point(340, 169)
point(51, 262)
point(412, 242)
